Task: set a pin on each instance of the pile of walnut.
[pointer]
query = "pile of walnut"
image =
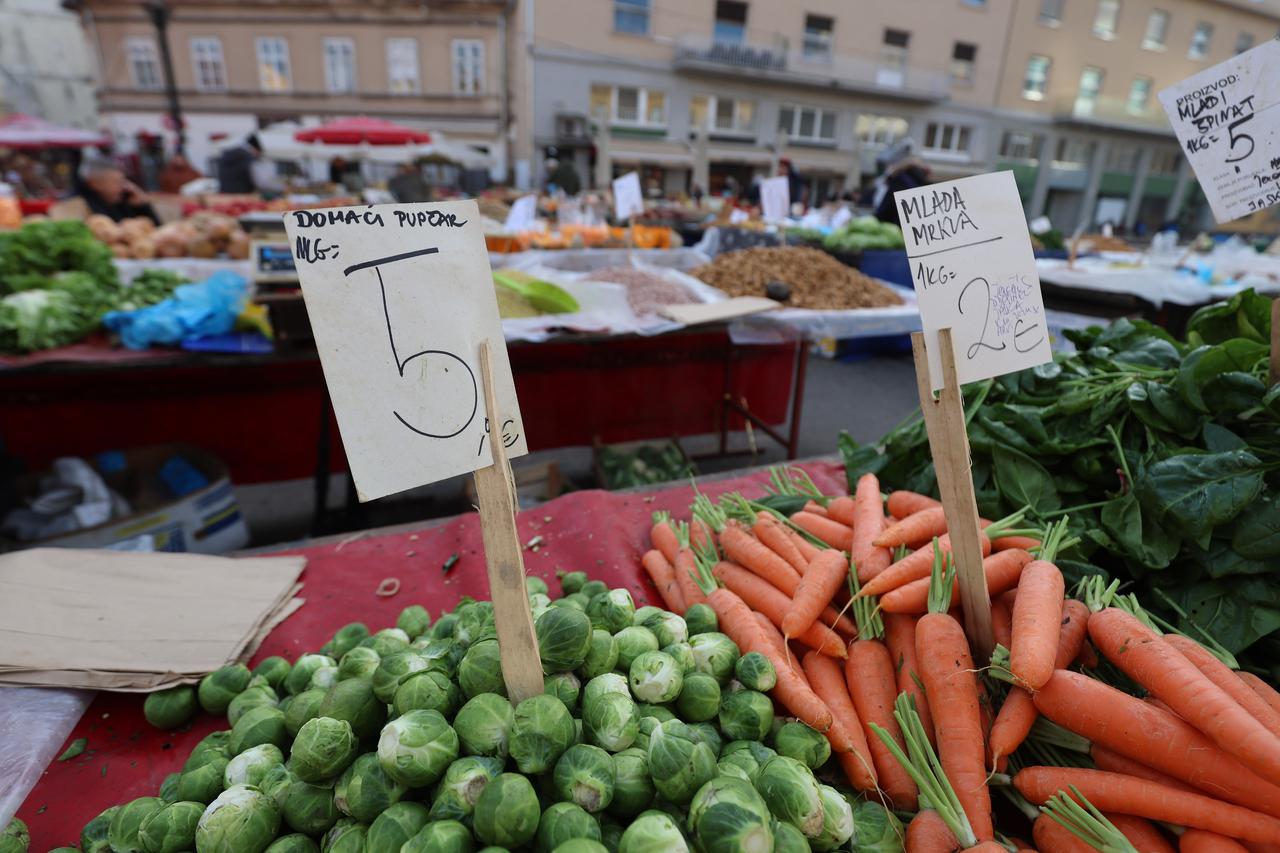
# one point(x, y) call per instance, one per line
point(815, 279)
point(202, 235)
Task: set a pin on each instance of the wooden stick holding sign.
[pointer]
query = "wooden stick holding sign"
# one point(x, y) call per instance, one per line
point(1275, 340)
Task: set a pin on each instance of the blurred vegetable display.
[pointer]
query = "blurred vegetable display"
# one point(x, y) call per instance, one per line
point(864, 232)
point(204, 234)
point(643, 466)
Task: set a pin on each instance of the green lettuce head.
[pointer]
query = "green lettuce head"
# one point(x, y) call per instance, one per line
point(275, 670)
point(656, 677)
point(308, 808)
point(360, 662)
point(241, 820)
point(393, 669)
point(699, 698)
point(414, 620)
point(837, 820)
point(254, 696)
point(441, 836)
point(263, 724)
point(416, 749)
point(876, 829)
point(429, 690)
point(364, 790)
point(481, 670)
point(756, 672)
point(170, 708)
point(93, 837)
point(715, 654)
point(395, 826)
point(634, 641)
point(585, 775)
point(602, 656)
point(171, 829)
point(612, 610)
point(540, 732)
point(563, 822)
point(653, 832)
point(353, 701)
point(347, 638)
point(295, 843)
point(323, 749)
point(728, 816)
point(564, 638)
point(15, 838)
point(458, 791)
point(219, 687)
point(798, 741)
point(679, 761)
point(632, 788)
point(701, 619)
point(746, 715)
point(792, 794)
point(611, 721)
point(250, 766)
point(347, 836)
point(483, 725)
point(299, 677)
point(507, 812)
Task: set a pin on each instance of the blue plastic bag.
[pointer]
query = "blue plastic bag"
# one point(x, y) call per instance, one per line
point(209, 307)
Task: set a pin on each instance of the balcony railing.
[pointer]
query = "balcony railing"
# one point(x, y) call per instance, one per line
point(1112, 112)
point(758, 57)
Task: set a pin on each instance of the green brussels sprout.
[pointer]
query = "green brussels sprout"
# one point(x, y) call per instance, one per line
point(579, 600)
point(634, 641)
point(562, 822)
point(746, 715)
point(428, 690)
point(481, 670)
point(536, 586)
point(324, 677)
point(756, 672)
point(745, 757)
point(214, 743)
point(661, 713)
point(93, 836)
point(347, 638)
point(715, 654)
point(323, 748)
point(572, 603)
point(475, 623)
point(699, 698)
point(602, 656)
point(415, 749)
point(788, 839)
point(612, 610)
point(353, 701)
point(644, 728)
point(798, 741)
point(668, 627)
point(202, 784)
point(593, 588)
point(609, 682)
point(791, 792)
point(585, 775)
point(274, 669)
point(387, 644)
point(241, 820)
point(392, 670)
point(564, 638)
point(391, 829)
point(708, 734)
point(701, 619)
point(250, 766)
point(303, 707)
point(169, 788)
point(653, 832)
point(347, 836)
point(507, 811)
point(263, 724)
point(414, 620)
point(170, 829)
point(458, 791)
point(360, 662)
point(679, 763)
point(441, 836)
point(257, 696)
point(15, 838)
point(443, 628)
point(632, 787)
point(299, 677)
point(483, 725)
point(581, 845)
point(727, 816)
point(565, 686)
point(683, 655)
point(611, 721)
point(876, 829)
point(655, 677)
point(364, 790)
point(294, 843)
point(219, 687)
point(541, 730)
point(443, 655)
point(643, 613)
point(168, 709)
point(571, 582)
point(837, 820)
point(309, 808)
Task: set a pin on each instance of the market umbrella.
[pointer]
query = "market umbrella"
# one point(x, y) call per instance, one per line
point(363, 130)
point(18, 130)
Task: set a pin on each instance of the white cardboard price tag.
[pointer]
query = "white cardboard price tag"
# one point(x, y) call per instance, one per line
point(522, 214)
point(775, 198)
point(841, 217)
point(628, 201)
point(974, 271)
point(400, 297)
point(1226, 126)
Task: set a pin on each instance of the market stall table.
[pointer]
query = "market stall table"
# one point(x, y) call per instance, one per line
point(601, 533)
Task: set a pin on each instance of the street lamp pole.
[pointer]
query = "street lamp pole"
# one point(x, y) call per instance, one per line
point(159, 13)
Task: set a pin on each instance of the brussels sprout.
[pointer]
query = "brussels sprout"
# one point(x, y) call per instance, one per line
point(683, 655)
point(788, 839)
point(258, 696)
point(391, 829)
point(364, 790)
point(632, 642)
point(837, 820)
point(309, 808)
point(170, 829)
point(219, 687)
point(571, 582)
point(170, 708)
point(876, 829)
point(323, 677)
point(644, 728)
point(661, 713)
point(609, 682)
point(541, 730)
point(15, 838)
point(507, 811)
point(611, 721)
point(699, 698)
point(392, 670)
point(347, 638)
point(250, 766)
point(798, 741)
point(585, 775)
point(458, 791)
point(441, 836)
point(294, 843)
point(353, 701)
point(303, 706)
point(564, 638)
point(256, 726)
point(756, 672)
point(728, 816)
point(93, 836)
point(415, 749)
point(299, 678)
point(475, 623)
point(679, 763)
point(428, 690)
point(562, 822)
point(701, 619)
point(593, 588)
point(707, 733)
point(202, 784)
point(347, 836)
point(612, 610)
point(215, 743)
point(715, 654)
point(668, 627)
point(323, 748)
point(484, 725)
point(746, 715)
point(581, 845)
point(360, 662)
point(653, 832)
point(572, 603)
point(743, 758)
point(792, 794)
point(566, 687)
point(414, 620)
point(481, 670)
point(602, 656)
point(643, 613)
point(169, 788)
point(610, 834)
point(579, 600)
point(386, 644)
point(655, 677)
point(241, 820)
point(443, 628)
point(632, 787)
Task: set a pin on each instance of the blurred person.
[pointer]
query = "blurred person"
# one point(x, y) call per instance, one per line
point(796, 188)
point(564, 176)
point(338, 169)
point(177, 173)
point(236, 167)
point(104, 189)
point(407, 185)
point(900, 170)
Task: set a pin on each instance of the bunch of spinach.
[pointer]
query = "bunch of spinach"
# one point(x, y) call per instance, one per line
point(1165, 454)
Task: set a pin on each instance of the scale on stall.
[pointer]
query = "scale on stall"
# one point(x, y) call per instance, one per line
point(275, 278)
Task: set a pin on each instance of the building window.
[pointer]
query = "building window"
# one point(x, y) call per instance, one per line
point(1104, 21)
point(1121, 159)
point(963, 57)
point(1090, 86)
point(817, 37)
point(1051, 12)
point(339, 65)
point(1139, 95)
point(144, 62)
point(207, 64)
point(719, 115)
point(1200, 40)
point(402, 65)
point(730, 23)
point(981, 4)
point(880, 131)
point(631, 16)
point(629, 105)
point(893, 58)
point(273, 64)
point(1036, 81)
point(1244, 42)
point(950, 140)
point(807, 124)
point(1165, 162)
point(1016, 145)
point(1072, 152)
point(468, 66)
point(1157, 30)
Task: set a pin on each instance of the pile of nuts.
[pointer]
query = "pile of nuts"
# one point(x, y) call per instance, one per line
point(815, 279)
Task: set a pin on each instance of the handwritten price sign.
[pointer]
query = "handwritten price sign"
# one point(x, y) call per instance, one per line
point(400, 297)
point(1226, 127)
point(974, 272)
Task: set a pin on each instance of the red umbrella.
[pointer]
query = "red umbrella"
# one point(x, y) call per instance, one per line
point(23, 131)
point(354, 131)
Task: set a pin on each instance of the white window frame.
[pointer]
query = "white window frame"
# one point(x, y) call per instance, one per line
point(207, 56)
point(139, 51)
point(816, 47)
point(878, 131)
point(642, 107)
point(1139, 109)
point(1050, 13)
point(1033, 94)
point(1092, 99)
point(468, 79)
point(1020, 145)
point(639, 8)
point(951, 151)
point(793, 132)
point(339, 80)
point(281, 65)
point(402, 58)
point(711, 105)
point(1196, 50)
point(971, 65)
point(1165, 162)
point(1109, 32)
point(1157, 20)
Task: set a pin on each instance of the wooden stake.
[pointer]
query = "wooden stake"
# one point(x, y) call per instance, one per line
point(496, 491)
point(949, 444)
point(1275, 340)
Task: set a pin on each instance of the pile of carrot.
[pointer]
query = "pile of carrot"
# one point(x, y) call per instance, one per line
point(1191, 762)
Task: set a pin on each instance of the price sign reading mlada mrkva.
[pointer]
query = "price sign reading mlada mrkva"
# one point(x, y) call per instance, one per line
point(400, 297)
point(975, 273)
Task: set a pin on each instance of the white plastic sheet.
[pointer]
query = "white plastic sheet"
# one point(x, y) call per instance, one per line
point(34, 723)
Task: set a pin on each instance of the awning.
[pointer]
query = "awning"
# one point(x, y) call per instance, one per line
point(23, 131)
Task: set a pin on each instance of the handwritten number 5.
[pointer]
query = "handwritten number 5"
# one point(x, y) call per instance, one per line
point(1239, 137)
point(977, 346)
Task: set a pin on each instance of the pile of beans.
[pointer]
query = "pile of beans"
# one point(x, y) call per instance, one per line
point(815, 279)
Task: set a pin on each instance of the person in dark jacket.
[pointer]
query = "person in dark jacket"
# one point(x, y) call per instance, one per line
point(900, 170)
point(235, 167)
point(106, 190)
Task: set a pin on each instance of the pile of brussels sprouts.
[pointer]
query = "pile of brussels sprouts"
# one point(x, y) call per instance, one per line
point(653, 736)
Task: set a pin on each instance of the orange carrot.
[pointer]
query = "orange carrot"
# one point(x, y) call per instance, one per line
point(1142, 834)
point(1266, 691)
point(1004, 543)
point(900, 637)
point(684, 567)
point(1034, 645)
point(1053, 837)
point(741, 547)
point(866, 517)
point(1223, 676)
point(664, 538)
point(1019, 844)
point(1156, 738)
point(1108, 759)
point(826, 574)
point(846, 734)
point(1199, 841)
point(1159, 668)
point(901, 503)
point(664, 578)
point(760, 596)
point(1113, 792)
point(873, 686)
point(774, 636)
point(928, 833)
point(806, 548)
point(1001, 620)
point(792, 691)
point(841, 509)
point(912, 567)
point(917, 527)
point(700, 535)
point(1002, 571)
point(816, 508)
point(1088, 657)
point(831, 532)
point(773, 535)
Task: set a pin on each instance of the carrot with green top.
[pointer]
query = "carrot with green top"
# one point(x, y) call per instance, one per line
point(900, 637)
point(764, 598)
point(866, 516)
point(773, 534)
point(927, 833)
point(1105, 758)
point(1218, 672)
point(903, 503)
point(1141, 833)
point(1002, 570)
point(1052, 837)
point(1034, 644)
point(1201, 841)
point(663, 575)
point(918, 527)
point(848, 741)
point(826, 574)
point(833, 533)
point(663, 536)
